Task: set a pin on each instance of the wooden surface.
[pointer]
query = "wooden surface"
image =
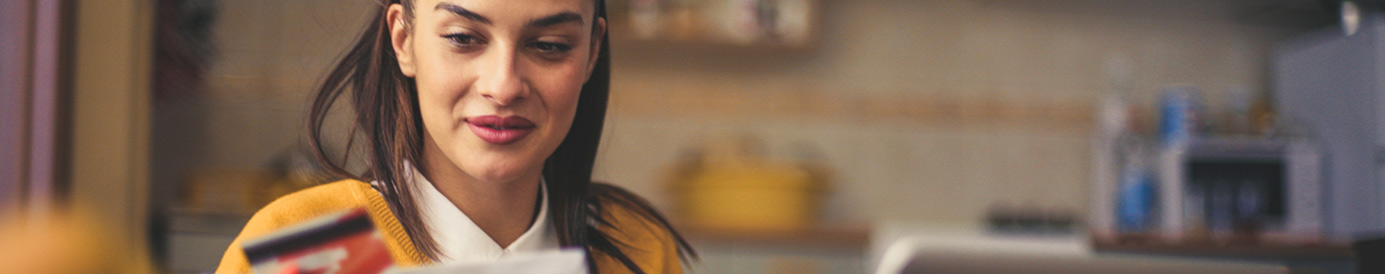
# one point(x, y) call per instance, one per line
point(1246, 250)
point(823, 236)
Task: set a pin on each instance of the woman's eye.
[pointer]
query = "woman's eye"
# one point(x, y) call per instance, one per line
point(463, 40)
point(550, 47)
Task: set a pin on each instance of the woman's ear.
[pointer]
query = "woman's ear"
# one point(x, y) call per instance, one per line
point(598, 32)
point(401, 39)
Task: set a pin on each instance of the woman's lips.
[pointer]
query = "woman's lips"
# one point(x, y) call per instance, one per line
point(500, 130)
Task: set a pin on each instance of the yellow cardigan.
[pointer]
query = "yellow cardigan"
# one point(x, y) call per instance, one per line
point(651, 247)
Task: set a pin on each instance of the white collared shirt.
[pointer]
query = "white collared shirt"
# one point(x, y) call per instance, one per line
point(461, 240)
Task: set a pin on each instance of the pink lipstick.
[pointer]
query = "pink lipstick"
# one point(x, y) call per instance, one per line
point(500, 130)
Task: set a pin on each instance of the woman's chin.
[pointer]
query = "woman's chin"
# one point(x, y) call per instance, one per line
point(502, 175)
point(500, 167)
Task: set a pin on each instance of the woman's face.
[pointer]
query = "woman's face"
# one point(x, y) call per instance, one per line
point(497, 80)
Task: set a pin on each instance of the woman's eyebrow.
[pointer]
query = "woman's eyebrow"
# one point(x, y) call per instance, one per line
point(546, 21)
point(560, 18)
point(463, 12)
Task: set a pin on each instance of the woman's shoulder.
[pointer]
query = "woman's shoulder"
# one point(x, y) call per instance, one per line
point(643, 234)
point(310, 203)
point(315, 202)
point(627, 212)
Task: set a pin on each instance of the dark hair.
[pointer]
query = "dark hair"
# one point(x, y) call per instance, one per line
point(385, 104)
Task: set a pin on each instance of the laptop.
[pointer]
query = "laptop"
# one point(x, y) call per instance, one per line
point(962, 255)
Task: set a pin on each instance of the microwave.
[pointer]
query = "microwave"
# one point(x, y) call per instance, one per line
point(1231, 189)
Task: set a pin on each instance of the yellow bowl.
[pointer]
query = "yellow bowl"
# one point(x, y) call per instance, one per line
point(761, 198)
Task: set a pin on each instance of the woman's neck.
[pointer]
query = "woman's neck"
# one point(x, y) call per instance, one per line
point(504, 210)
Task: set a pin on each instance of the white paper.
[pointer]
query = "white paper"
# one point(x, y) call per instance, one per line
point(570, 260)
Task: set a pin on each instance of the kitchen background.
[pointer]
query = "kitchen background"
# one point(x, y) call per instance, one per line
point(906, 115)
point(849, 95)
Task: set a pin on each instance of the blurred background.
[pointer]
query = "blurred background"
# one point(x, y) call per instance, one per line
point(781, 136)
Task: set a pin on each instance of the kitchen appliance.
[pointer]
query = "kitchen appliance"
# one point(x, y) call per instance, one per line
point(1241, 189)
point(1331, 87)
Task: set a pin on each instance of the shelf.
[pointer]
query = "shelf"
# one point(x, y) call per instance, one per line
point(825, 236)
point(1268, 251)
point(768, 24)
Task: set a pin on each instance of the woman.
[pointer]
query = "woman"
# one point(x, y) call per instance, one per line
point(480, 121)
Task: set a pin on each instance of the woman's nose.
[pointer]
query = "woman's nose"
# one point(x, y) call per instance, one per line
point(500, 80)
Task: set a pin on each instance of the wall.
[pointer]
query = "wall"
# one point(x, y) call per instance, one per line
point(929, 110)
point(269, 57)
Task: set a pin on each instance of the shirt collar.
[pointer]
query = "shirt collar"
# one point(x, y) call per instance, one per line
point(461, 240)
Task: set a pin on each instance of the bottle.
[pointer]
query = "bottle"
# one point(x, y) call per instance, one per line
point(1180, 110)
point(1138, 204)
point(1112, 124)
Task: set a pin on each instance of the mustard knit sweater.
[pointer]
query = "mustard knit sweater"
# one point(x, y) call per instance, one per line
point(651, 247)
